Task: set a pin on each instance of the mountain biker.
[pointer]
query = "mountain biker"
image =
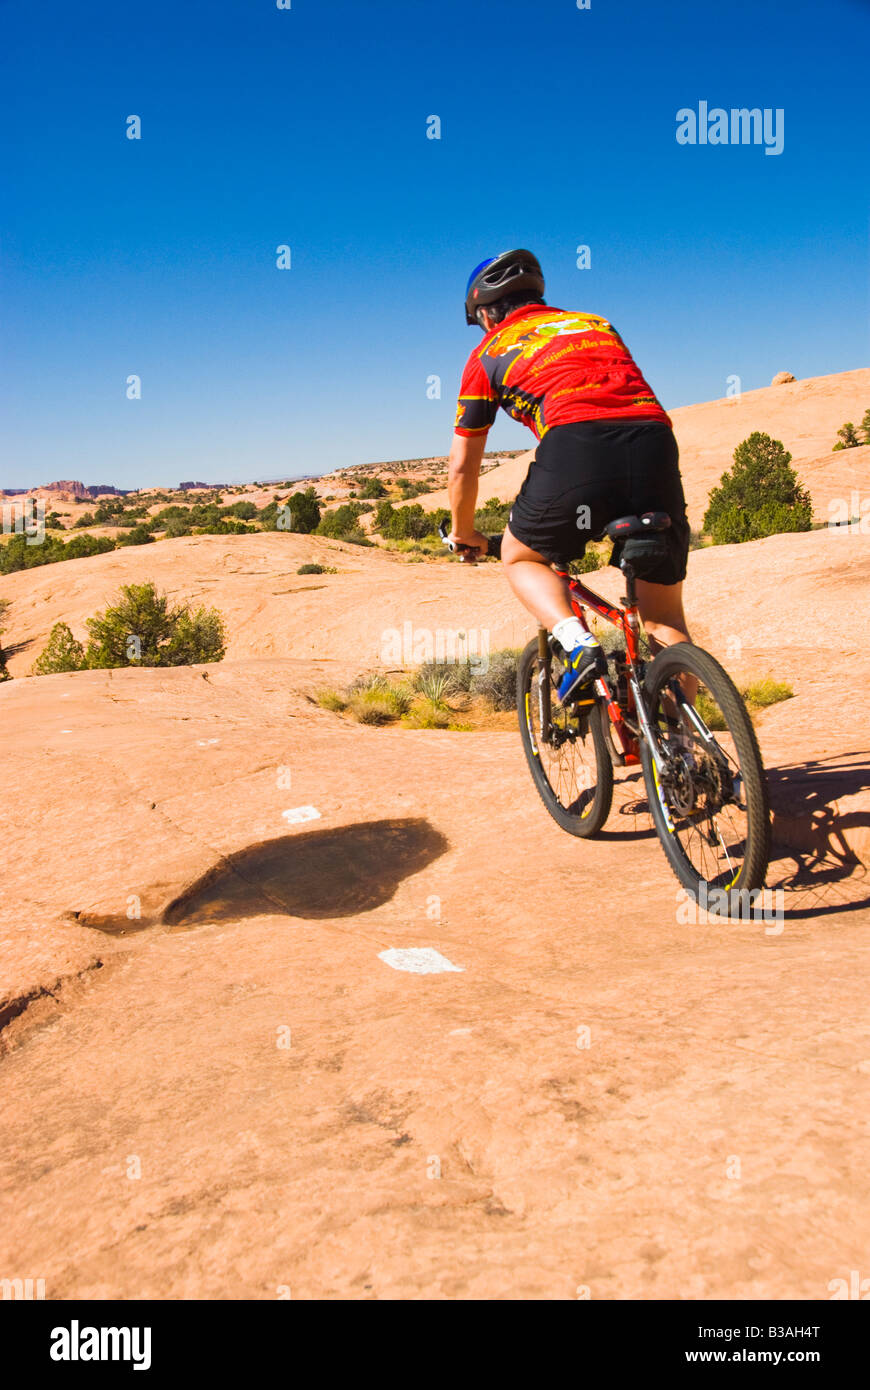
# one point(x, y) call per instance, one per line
point(606, 449)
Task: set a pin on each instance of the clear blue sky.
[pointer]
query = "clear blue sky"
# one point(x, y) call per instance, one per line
point(307, 127)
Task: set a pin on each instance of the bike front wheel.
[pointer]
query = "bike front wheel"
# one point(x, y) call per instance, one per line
point(708, 799)
point(567, 757)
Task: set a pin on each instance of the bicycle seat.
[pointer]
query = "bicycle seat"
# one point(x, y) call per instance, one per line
point(627, 526)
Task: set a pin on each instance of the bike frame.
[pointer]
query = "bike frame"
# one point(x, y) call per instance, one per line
point(626, 731)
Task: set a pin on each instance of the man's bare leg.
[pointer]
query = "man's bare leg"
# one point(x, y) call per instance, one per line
point(661, 608)
point(536, 585)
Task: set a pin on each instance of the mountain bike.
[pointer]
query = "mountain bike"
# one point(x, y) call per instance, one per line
point(705, 782)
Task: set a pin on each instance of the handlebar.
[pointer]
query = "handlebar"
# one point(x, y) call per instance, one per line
point(493, 545)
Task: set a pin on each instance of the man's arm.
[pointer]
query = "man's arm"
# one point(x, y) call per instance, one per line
point(463, 474)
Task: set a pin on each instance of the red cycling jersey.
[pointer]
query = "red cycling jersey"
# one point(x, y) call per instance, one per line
point(549, 367)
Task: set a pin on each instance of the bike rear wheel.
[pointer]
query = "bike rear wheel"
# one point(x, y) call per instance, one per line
point(569, 762)
point(709, 803)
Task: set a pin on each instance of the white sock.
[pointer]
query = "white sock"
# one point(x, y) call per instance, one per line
point(571, 633)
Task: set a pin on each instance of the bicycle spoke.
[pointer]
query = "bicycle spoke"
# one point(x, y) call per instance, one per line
point(567, 757)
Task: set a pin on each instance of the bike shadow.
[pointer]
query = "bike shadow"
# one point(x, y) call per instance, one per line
point(817, 844)
point(813, 858)
point(629, 817)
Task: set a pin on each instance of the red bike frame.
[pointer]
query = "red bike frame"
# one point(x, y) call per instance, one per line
point(626, 620)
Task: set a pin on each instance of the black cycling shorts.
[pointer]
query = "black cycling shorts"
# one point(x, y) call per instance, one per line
point(587, 474)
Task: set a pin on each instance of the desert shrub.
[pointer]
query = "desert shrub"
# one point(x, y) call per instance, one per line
point(225, 526)
point(18, 555)
point(865, 426)
point(407, 523)
point(139, 535)
point(87, 519)
point(166, 636)
point(316, 569)
point(429, 714)
point(245, 511)
point(141, 629)
point(766, 691)
point(167, 515)
point(378, 702)
point(760, 496)
point(455, 675)
point(341, 523)
point(847, 436)
point(331, 699)
point(62, 652)
point(498, 683)
point(4, 674)
point(492, 516)
point(82, 547)
point(373, 699)
point(372, 489)
point(434, 686)
point(177, 526)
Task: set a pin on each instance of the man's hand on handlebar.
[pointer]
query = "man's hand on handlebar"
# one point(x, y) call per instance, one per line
point(471, 547)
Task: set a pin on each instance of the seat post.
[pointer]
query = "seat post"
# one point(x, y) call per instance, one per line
point(630, 593)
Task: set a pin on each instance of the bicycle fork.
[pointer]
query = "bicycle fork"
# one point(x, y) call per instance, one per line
point(544, 706)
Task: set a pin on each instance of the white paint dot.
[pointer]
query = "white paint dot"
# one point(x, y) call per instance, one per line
point(301, 813)
point(419, 960)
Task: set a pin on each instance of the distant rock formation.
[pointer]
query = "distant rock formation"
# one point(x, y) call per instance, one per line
point(781, 378)
point(70, 489)
point(184, 487)
point(64, 485)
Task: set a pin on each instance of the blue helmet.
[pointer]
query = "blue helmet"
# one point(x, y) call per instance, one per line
point(501, 275)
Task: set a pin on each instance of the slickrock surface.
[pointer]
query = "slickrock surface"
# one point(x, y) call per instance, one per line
point(303, 1116)
point(216, 1084)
